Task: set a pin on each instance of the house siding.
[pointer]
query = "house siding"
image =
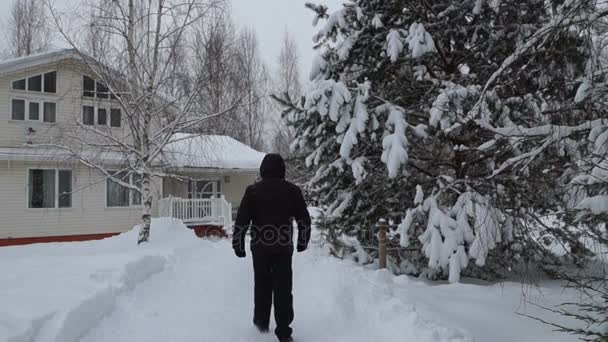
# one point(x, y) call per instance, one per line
point(88, 214)
point(235, 189)
point(69, 102)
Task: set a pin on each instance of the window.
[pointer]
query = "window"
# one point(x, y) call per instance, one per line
point(18, 109)
point(88, 87)
point(204, 188)
point(102, 91)
point(121, 196)
point(88, 115)
point(92, 88)
point(42, 189)
point(136, 180)
point(65, 188)
point(49, 188)
point(102, 117)
point(19, 84)
point(50, 82)
point(34, 83)
point(34, 111)
point(50, 112)
point(115, 117)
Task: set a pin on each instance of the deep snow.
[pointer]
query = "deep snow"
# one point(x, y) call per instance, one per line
point(180, 288)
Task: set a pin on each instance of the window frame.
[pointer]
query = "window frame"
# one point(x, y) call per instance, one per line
point(130, 191)
point(43, 78)
point(40, 110)
point(108, 97)
point(27, 109)
point(43, 111)
point(94, 115)
point(96, 106)
point(110, 116)
point(217, 181)
point(56, 178)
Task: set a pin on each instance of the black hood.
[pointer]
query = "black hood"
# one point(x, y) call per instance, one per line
point(273, 166)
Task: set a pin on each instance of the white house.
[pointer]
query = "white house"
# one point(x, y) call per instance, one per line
point(46, 195)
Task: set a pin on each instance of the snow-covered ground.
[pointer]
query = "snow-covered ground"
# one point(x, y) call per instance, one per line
point(180, 288)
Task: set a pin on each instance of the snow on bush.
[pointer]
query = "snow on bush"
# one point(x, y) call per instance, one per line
point(394, 45)
point(395, 142)
point(419, 41)
point(471, 224)
point(358, 123)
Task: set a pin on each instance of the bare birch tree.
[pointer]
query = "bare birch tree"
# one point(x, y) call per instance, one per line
point(27, 28)
point(253, 83)
point(135, 70)
point(214, 60)
point(288, 86)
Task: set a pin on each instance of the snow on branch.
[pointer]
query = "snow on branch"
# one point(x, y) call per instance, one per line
point(565, 18)
point(419, 41)
point(395, 143)
point(394, 45)
point(358, 123)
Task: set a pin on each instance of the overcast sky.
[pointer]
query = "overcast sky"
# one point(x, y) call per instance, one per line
point(270, 18)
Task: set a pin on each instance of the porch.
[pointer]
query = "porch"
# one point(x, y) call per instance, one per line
point(198, 211)
point(204, 199)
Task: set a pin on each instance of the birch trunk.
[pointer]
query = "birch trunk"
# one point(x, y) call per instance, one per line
point(146, 215)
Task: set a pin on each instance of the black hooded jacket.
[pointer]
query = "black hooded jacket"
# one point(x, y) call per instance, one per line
point(269, 208)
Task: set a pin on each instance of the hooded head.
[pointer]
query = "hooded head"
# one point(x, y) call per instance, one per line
point(273, 166)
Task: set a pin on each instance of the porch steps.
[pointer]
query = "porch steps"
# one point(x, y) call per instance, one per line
point(209, 231)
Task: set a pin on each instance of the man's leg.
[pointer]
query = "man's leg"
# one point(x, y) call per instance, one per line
point(262, 290)
point(283, 298)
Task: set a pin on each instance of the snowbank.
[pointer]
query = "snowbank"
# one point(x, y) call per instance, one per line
point(56, 292)
point(181, 288)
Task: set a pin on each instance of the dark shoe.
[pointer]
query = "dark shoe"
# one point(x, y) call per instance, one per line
point(289, 339)
point(262, 328)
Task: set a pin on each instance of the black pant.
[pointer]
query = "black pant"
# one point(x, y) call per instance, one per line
point(273, 275)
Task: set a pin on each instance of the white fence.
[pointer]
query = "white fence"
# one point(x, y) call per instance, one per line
point(214, 211)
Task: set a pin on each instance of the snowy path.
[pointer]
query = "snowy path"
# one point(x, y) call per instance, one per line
point(206, 295)
point(180, 288)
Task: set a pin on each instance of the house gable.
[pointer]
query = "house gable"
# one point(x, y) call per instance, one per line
point(42, 98)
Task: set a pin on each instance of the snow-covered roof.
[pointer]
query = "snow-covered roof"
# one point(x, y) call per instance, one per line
point(184, 151)
point(46, 154)
point(20, 63)
point(211, 151)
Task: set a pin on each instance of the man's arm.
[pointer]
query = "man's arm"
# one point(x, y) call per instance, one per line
point(303, 221)
point(241, 225)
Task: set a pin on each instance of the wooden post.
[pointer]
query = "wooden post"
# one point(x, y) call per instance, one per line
point(382, 227)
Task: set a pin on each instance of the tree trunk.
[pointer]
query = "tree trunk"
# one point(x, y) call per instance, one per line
point(146, 216)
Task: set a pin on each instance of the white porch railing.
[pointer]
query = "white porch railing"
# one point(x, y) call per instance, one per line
point(216, 211)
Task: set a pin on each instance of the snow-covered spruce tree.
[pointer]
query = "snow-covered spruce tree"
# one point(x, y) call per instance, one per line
point(406, 116)
point(586, 201)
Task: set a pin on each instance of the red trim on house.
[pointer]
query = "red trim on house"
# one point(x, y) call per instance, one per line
point(208, 231)
point(46, 239)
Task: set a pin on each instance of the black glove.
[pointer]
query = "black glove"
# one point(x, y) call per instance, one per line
point(240, 252)
point(301, 247)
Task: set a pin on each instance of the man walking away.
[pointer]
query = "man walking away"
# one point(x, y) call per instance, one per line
point(270, 206)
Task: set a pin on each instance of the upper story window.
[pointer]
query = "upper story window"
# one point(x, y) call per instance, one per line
point(33, 110)
point(41, 83)
point(97, 115)
point(92, 88)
